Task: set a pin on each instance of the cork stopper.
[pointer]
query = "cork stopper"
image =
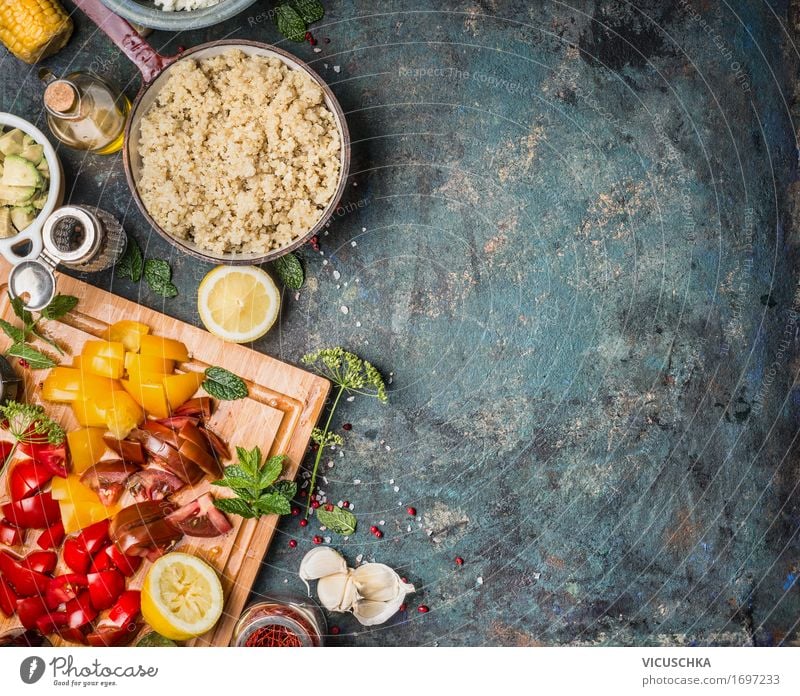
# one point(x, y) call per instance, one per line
point(60, 96)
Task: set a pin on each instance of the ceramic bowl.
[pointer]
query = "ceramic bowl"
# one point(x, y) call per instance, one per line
point(146, 13)
point(13, 248)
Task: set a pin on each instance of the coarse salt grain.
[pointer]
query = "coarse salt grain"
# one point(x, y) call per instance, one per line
point(397, 489)
point(336, 275)
point(344, 309)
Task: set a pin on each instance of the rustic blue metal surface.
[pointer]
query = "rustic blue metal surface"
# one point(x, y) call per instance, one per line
point(568, 236)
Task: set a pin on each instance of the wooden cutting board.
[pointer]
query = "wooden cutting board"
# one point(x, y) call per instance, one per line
point(283, 407)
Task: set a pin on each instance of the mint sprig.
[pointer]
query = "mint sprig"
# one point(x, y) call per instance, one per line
point(255, 482)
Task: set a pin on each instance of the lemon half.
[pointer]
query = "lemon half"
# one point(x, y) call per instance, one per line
point(238, 303)
point(181, 596)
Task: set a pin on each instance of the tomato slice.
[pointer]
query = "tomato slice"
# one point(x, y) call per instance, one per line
point(10, 534)
point(8, 598)
point(51, 537)
point(37, 512)
point(41, 561)
point(80, 611)
point(53, 457)
point(126, 609)
point(27, 478)
point(199, 518)
point(65, 588)
point(30, 609)
point(73, 635)
point(105, 588)
point(26, 582)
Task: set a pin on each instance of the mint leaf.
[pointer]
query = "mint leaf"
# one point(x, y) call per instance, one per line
point(224, 385)
point(273, 504)
point(273, 468)
point(309, 10)
point(131, 265)
point(290, 24)
point(15, 334)
point(250, 462)
point(35, 359)
point(288, 489)
point(19, 309)
point(290, 271)
point(235, 506)
point(59, 306)
point(158, 275)
point(338, 520)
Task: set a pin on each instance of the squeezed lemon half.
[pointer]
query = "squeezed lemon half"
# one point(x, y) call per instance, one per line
point(238, 303)
point(181, 596)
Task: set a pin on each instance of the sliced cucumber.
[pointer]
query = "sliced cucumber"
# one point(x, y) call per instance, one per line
point(20, 172)
point(39, 200)
point(11, 142)
point(6, 227)
point(16, 195)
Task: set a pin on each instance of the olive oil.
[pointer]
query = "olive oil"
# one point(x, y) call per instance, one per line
point(84, 112)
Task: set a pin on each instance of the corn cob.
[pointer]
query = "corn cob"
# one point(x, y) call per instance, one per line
point(33, 29)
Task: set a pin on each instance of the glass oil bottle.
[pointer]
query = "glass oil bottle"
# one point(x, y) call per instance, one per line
point(84, 112)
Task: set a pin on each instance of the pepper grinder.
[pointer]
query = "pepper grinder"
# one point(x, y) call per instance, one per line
point(77, 237)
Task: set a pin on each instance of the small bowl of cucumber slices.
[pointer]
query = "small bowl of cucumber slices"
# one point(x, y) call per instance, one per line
point(31, 187)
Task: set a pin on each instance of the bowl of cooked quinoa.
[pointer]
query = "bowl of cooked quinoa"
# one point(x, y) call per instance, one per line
point(177, 15)
point(237, 153)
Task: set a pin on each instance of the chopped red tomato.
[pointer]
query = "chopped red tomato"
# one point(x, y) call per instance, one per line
point(6, 448)
point(112, 557)
point(53, 457)
point(73, 635)
point(27, 478)
point(52, 622)
point(37, 512)
point(105, 588)
point(10, 534)
point(41, 561)
point(26, 582)
point(51, 537)
point(30, 609)
point(76, 556)
point(64, 588)
point(95, 536)
point(127, 608)
point(8, 598)
point(101, 561)
point(80, 611)
point(110, 636)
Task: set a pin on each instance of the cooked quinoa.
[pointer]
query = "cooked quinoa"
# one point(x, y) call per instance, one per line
point(239, 153)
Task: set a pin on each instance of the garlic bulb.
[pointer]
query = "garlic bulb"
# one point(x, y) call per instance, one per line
point(373, 592)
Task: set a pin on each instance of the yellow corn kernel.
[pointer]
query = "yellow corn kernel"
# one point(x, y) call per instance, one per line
point(34, 29)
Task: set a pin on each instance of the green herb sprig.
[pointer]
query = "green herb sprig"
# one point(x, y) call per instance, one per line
point(156, 272)
point(290, 271)
point(59, 306)
point(29, 424)
point(292, 18)
point(349, 373)
point(255, 482)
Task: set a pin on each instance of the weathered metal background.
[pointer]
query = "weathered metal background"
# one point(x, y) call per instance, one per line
point(568, 236)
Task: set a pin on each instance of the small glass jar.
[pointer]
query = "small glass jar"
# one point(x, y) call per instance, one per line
point(286, 622)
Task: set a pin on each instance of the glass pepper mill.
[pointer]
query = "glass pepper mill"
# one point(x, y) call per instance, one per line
point(76, 237)
point(85, 112)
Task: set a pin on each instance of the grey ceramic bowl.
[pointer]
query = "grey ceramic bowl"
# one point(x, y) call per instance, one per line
point(146, 13)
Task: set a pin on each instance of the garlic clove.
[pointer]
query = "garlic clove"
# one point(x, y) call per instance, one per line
point(319, 562)
point(337, 592)
point(378, 582)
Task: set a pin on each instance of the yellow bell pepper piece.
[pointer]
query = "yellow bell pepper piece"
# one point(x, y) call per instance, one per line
point(166, 348)
point(180, 388)
point(142, 367)
point(71, 490)
point(103, 358)
point(77, 516)
point(86, 447)
point(127, 332)
point(88, 414)
point(151, 397)
point(123, 415)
